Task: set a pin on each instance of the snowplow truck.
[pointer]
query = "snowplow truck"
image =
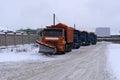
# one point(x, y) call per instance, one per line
point(84, 36)
point(56, 39)
point(93, 38)
point(76, 40)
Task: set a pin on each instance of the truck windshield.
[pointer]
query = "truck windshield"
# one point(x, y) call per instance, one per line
point(52, 32)
point(83, 34)
point(75, 34)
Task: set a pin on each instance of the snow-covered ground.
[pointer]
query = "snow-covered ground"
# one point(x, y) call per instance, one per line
point(23, 53)
point(30, 52)
point(113, 53)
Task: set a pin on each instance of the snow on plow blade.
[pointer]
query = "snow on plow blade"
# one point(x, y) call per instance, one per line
point(45, 48)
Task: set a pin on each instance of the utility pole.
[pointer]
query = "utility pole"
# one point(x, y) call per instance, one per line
point(74, 26)
point(53, 19)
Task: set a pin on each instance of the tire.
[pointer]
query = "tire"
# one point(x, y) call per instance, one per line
point(62, 53)
point(66, 48)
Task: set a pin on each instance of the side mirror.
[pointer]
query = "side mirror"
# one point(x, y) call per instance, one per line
point(41, 32)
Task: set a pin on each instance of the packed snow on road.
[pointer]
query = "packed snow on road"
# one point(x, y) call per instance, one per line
point(94, 62)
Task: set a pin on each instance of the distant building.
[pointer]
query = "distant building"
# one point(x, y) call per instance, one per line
point(103, 32)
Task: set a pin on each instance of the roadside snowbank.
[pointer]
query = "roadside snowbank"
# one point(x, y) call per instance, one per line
point(22, 53)
point(114, 59)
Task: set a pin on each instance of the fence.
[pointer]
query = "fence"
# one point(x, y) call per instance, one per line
point(7, 39)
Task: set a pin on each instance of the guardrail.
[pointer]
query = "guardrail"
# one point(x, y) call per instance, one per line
point(111, 38)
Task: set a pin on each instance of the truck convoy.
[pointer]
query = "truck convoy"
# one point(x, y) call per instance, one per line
point(61, 38)
point(56, 39)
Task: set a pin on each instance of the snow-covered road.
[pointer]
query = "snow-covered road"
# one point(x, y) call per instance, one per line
point(95, 62)
point(113, 54)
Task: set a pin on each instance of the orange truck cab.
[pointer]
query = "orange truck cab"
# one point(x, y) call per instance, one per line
point(56, 38)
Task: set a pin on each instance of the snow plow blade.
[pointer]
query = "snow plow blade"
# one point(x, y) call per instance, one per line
point(45, 48)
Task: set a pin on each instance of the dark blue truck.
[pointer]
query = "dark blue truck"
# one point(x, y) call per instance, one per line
point(76, 39)
point(93, 38)
point(85, 38)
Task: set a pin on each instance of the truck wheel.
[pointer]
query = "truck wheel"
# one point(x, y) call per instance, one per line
point(62, 52)
point(66, 48)
point(70, 50)
point(78, 47)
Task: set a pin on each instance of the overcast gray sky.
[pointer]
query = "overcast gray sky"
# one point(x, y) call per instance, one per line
point(86, 14)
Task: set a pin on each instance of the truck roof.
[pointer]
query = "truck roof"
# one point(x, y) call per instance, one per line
point(60, 25)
